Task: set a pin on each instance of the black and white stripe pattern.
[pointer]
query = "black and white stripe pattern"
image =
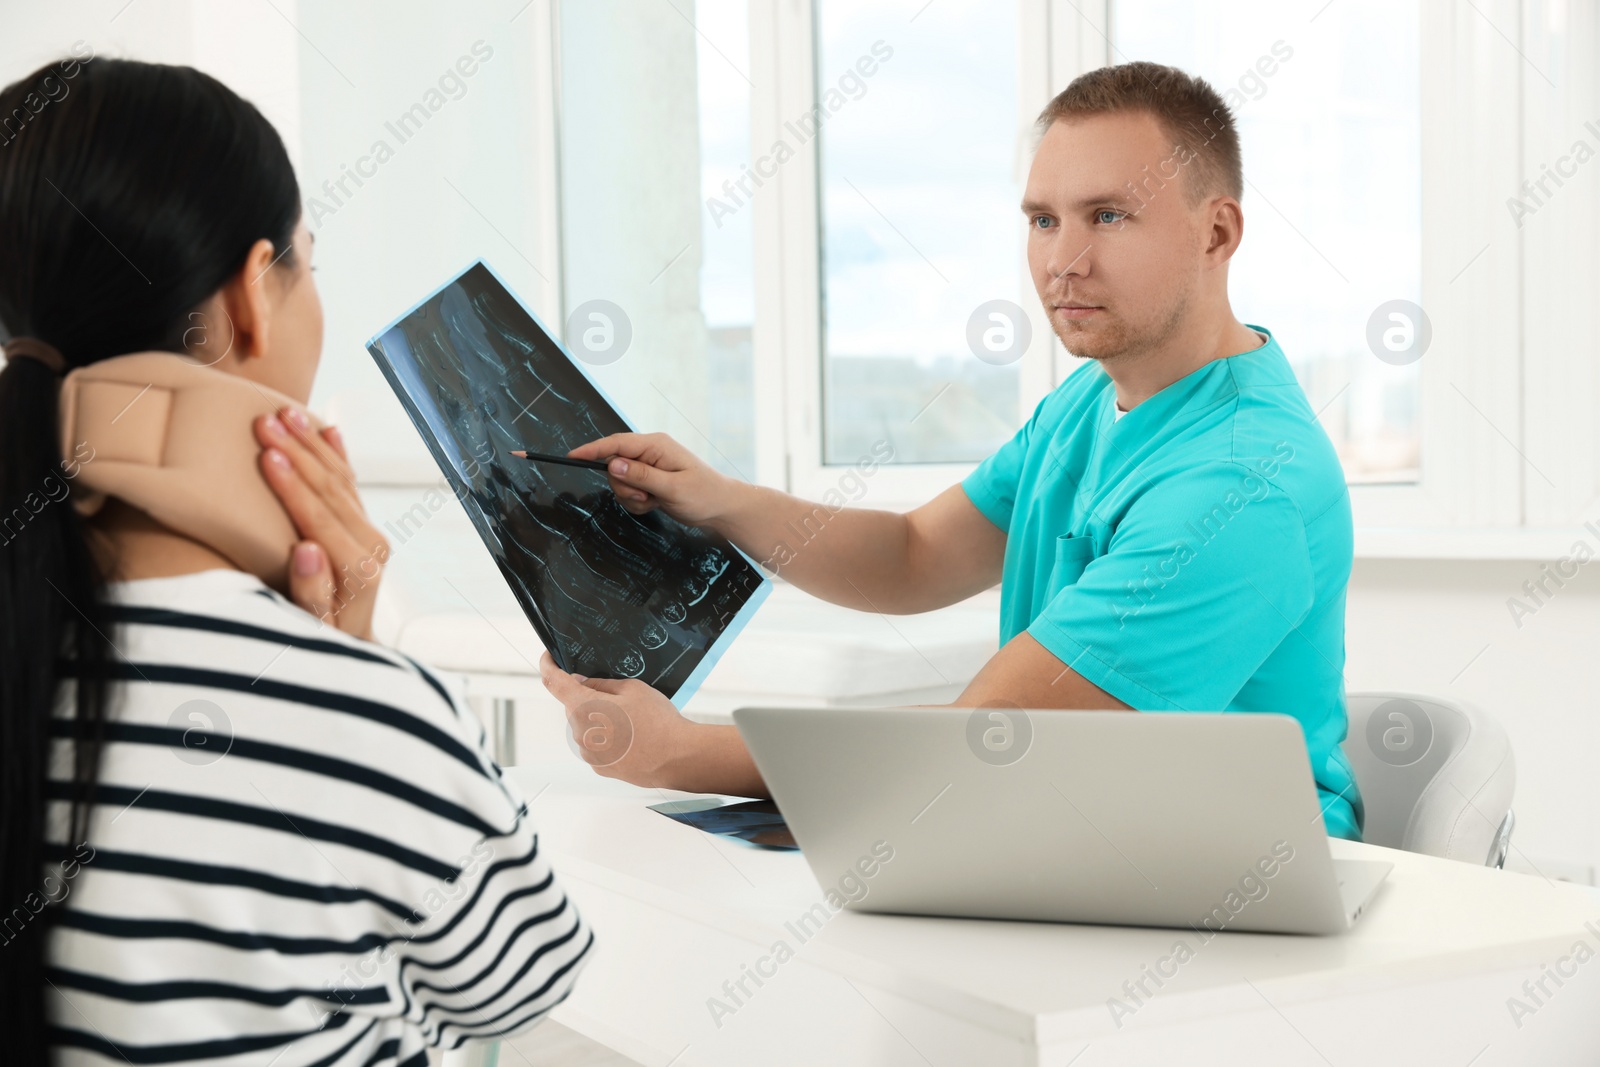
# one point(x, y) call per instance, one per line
point(300, 852)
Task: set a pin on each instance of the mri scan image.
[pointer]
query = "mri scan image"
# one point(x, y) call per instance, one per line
point(611, 594)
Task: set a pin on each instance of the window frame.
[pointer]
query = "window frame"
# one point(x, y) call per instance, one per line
point(788, 330)
point(1063, 38)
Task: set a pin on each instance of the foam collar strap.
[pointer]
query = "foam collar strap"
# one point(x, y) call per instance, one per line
point(174, 439)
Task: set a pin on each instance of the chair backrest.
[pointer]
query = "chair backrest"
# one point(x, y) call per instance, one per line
point(1436, 776)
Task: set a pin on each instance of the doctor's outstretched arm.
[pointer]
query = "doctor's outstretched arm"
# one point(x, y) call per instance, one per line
point(863, 558)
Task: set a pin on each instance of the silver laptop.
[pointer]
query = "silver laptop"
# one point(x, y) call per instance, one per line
point(1194, 820)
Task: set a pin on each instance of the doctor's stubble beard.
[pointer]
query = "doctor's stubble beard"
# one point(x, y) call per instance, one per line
point(1114, 340)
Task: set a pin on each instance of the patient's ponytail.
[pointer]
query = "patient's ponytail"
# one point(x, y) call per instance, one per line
point(129, 193)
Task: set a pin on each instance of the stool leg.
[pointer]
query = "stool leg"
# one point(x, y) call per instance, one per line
point(505, 731)
point(475, 1054)
point(1502, 841)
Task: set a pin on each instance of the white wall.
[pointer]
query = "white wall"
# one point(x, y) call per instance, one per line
point(250, 47)
point(1443, 628)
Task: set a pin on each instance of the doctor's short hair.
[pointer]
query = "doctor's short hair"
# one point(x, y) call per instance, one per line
point(1194, 117)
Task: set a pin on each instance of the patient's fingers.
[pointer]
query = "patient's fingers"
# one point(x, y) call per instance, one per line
point(342, 584)
point(335, 571)
point(311, 582)
point(335, 441)
point(333, 486)
point(329, 451)
point(312, 515)
point(325, 443)
point(335, 474)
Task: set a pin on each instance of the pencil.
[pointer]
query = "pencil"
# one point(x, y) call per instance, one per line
point(565, 461)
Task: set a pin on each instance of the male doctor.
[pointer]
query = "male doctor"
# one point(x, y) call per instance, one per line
point(1171, 528)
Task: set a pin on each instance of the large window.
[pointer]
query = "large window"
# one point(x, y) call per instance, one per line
point(800, 210)
point(912, 131)
point(920, 228)
point(657, 277)
point(727, 287)
point(1329, 116)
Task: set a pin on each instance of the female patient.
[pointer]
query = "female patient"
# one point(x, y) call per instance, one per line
point(230, 831)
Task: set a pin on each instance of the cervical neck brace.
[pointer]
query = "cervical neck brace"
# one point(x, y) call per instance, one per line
point(174, 439)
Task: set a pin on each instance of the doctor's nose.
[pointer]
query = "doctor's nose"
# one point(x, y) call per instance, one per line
point(1069, 259)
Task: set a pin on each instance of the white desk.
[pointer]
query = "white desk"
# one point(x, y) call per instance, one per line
point(1424, 979)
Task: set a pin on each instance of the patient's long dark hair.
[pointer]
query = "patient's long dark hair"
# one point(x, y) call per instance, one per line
point(129, 193)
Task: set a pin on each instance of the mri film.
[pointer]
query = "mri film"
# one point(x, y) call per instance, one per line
point(611, 594)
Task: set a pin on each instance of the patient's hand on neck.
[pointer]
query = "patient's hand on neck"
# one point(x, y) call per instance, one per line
point(128, 544)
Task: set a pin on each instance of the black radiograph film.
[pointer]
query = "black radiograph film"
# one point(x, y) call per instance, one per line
point(756, 822)
point(611, 594)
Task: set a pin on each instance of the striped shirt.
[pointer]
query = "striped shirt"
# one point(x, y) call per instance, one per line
point(300, 852)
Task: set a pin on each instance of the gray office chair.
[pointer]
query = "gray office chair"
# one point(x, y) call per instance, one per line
point(1436, 776)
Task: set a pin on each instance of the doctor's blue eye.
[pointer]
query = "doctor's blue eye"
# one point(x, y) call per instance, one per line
point(1117, 216)
point(1042, 221)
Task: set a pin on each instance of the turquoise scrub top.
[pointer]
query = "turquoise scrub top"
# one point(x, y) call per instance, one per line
point(1190, 556)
